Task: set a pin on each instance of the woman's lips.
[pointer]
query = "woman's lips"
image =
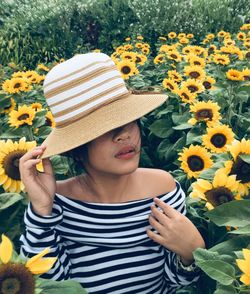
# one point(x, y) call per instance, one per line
point(126, 152)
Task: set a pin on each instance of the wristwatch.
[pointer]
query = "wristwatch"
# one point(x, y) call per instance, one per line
point(192, 268)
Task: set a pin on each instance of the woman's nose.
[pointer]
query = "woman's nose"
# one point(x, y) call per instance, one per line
point(122, 135)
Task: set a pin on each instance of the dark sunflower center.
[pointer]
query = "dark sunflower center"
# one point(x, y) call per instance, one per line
point(170, 86)
point(17, 85)
point(194, 74)
point(248, 55)
point(173, 56)
point(185, 96)
point(219, 140)
point(246, 78)
point(221, 60)
point(219, 196)
point(10, 286)
point(195, 163)
point(126, 69)
point(138, 59)
point(242, 170)
point(48, 122)
point(11, 164)
point(16, 279)
point(192, 88)
point(23, 116)
point(128, 57)
point(207, 85)
point(197, 63)
point(204, 114)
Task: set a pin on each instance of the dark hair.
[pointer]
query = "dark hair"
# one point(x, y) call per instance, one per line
point(78, 156)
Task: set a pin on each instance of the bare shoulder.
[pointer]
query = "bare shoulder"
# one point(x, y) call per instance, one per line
point(64, 187)
point(157, 181)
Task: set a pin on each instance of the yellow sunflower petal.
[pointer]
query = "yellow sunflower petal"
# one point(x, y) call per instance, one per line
point(6, 249)
point(37, 257)
point(246, 253)
point(204, 184)
point(243, 265)
point(42, 265)
point(245, 279)
point(220, 179)
point(209, 206)
point(3, 179)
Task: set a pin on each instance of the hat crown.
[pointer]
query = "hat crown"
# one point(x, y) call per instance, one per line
point(81, 85)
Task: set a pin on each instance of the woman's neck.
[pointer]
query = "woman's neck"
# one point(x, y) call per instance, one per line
point(108, 188)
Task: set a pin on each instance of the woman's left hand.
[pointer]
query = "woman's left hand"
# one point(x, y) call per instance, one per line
point(175, 231)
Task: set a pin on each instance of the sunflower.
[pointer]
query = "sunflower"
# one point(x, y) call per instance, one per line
point(245, 26)
point(217, 138)
point(139, 38)
point(221, 34)
point(50, 121)
point(32, 77)
point(221, 59)
point(24, 115)
point(172, 35)
point(141, 59)
point(205, 111)
point(174, 56)
point(127, 68)
point(174, 75)
point(145, 50)
point(187, 50)
point(190, 36)
point(42, 67)
point(234, 75)
point(37, 106)
point(221, 190)
point(196, 60)
point(229, 42)
point(18, 277)
point(210, 36)
point(194, 72)
point(185, 95)
point(238, 166)
point(181, 35)
point(163, 39)
point(119, 49)
point(18, 74)
point(10, 107)
point(198, 50)
point(128, 47)
point(139, 45)
point(244, 265)
point(211, 49)
point(246, 74)
point(15, 85)
point(127, 39)
point(208, 83)
point(10, 153)
point(194, 160)
point(160, 58)
point(129, 55)
point(184, 40)
point(241, 36)
point(193, 86)
point(170, 85)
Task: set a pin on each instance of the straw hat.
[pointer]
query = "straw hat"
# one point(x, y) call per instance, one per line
point(88, 97)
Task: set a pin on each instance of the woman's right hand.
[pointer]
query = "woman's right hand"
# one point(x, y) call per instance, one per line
point(41, 187)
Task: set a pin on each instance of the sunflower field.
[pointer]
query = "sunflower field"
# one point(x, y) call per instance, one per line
point(201, 135)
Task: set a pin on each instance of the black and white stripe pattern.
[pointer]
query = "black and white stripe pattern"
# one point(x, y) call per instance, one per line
point(105, 246)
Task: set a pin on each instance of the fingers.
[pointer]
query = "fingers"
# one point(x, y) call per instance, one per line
point(34, 153)
point(167, 209)
point(47, 166)
point(155, 237)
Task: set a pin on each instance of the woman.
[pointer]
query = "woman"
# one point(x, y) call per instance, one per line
point(117, 228)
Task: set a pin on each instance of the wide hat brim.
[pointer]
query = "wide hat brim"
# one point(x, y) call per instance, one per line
point(100, 121)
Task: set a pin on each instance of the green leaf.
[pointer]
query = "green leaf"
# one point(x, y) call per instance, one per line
point(245, 157)
point(222, 289)
point(60, 287)
point(180, 118)
point(240, 231)
point(218, 270)
point(160, 128)
point(60, 164)
point(235, 213)
point(201, 255)
point(9, 199)
point(235, 244)
point(183, 126)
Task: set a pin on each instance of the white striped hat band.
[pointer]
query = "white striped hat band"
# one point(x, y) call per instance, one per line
point(83, 87)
